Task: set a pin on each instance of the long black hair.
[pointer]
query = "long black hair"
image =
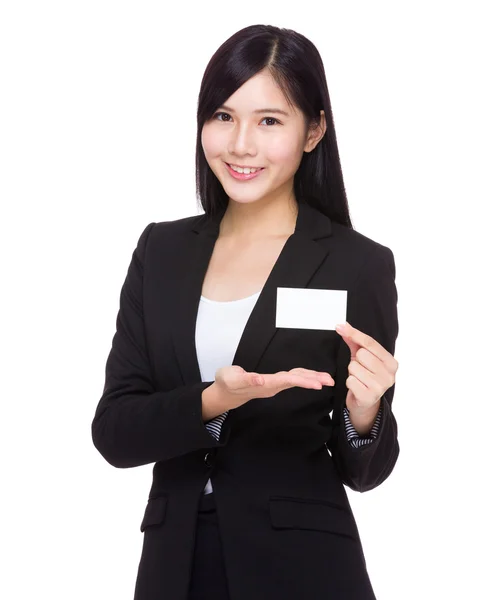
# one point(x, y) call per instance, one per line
point(297, 68)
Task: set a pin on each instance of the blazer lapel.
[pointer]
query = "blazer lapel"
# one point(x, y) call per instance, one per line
point(297, 263)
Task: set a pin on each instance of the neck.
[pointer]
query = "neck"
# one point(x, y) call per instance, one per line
point(259, 220)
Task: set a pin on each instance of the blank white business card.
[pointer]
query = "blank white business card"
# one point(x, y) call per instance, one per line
point(301, 308)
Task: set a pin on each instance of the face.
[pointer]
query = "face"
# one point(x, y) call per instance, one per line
point(240, 136)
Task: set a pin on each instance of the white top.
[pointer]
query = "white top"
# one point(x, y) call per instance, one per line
point(218, 331)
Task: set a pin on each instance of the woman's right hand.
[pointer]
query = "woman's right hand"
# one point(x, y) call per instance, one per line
point(237, 386)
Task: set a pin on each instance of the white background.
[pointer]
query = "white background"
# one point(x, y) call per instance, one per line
point(97, 139)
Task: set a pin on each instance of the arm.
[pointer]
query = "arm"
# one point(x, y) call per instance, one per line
point(134, 424)
point(372, 308)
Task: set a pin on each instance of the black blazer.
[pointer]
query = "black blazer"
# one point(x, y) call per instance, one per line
point(279, 468)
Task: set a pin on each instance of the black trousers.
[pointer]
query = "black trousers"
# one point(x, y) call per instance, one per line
point(209, 579)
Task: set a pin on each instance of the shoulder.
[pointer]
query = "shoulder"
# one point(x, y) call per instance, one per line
point(357, 241)
point(167, 231)
point(359, 247)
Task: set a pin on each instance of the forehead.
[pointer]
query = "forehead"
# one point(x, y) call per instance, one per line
point(260, 92)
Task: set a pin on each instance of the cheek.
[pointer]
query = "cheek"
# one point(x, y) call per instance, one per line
point(285, 154)
point(212, 144)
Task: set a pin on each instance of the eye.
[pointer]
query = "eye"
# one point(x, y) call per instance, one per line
point(220, 113)
point(224, 121)
point(272, 119)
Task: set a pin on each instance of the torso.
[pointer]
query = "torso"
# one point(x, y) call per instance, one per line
point(239, 270)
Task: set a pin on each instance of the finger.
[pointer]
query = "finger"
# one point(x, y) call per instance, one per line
point(364, 340)
point(369, 361)
point(302, 381)
point(245, 379)
point(362, 375)
point(325, 378)
point(256, 379)
point(302, 371)
point(358, 389)
point(374, 364)
point(322, 375)
point(317, 375)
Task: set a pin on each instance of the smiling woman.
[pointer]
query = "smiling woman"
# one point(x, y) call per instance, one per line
point(255, 429)
point(264, 102)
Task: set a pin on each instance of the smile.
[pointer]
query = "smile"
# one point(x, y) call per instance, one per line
point(243, 176)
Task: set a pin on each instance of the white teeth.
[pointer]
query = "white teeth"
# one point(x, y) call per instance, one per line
point(246, 171)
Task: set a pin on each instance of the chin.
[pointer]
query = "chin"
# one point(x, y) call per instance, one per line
point(244, 200)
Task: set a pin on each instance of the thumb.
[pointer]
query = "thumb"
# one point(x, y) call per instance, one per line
point(353, 346)
point(256, 379)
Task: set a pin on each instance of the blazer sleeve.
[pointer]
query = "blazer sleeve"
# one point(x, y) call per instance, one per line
point(372, 308)
point(135, 424)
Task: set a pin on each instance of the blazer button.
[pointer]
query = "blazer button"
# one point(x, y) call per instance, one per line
point(208, 459)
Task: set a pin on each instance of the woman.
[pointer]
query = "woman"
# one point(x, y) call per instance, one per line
point(248, 498)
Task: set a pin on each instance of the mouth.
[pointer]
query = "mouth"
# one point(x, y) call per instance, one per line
point(243, 176)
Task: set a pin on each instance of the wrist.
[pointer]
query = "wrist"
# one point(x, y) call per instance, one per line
point(363, 419)
point(213, 402)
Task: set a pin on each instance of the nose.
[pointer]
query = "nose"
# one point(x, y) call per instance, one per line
point(242, 143)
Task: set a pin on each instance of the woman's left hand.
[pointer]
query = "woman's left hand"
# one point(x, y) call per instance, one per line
point(372, 370)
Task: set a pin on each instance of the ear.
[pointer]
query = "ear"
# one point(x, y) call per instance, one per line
point(316, 132)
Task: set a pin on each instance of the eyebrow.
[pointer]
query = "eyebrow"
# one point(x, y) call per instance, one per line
point(260, 110)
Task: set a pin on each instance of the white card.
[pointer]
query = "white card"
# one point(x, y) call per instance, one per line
point(301, 308)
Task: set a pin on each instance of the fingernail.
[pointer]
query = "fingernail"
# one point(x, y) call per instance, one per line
point(341, 328)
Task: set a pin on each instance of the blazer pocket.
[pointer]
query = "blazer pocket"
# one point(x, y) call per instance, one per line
point(311, 514)
point(154, 512)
